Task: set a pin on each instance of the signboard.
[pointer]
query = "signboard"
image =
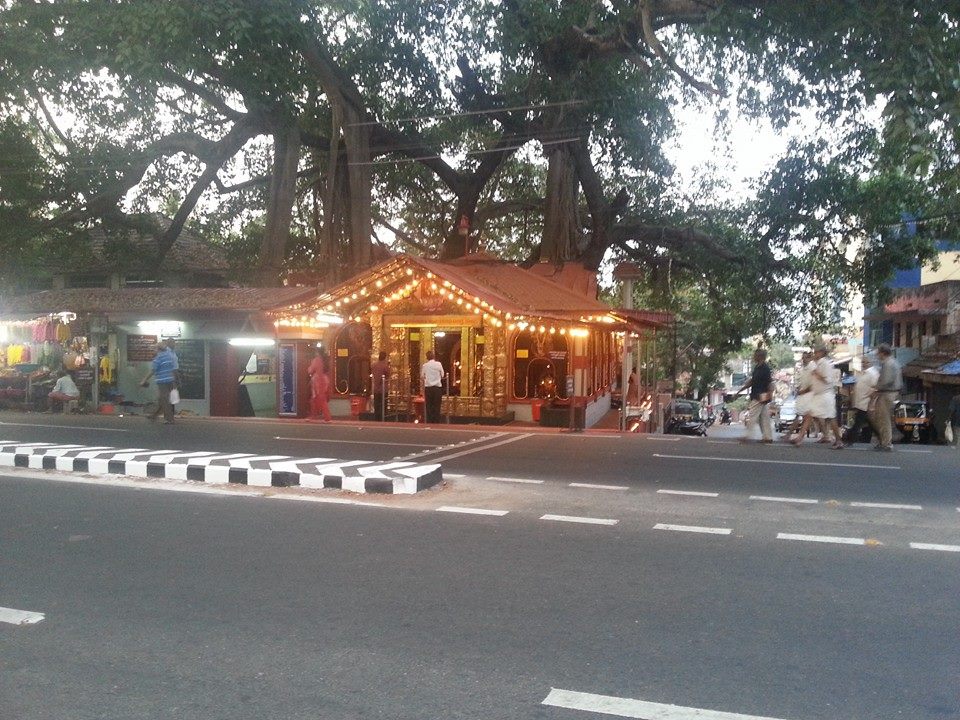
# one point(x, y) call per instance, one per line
point(569, 386)
point(557, 354)
point(141, 348)
point(190, 356)
point(83, 375)
point(287, 379)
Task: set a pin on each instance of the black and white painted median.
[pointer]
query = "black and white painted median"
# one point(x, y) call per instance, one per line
point(359, 476)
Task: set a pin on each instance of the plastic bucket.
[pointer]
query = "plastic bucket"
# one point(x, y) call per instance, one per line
point(535, 409)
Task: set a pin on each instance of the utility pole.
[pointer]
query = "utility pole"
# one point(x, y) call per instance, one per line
point(626, 273)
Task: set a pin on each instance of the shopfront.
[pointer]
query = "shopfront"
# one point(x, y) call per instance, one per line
point(226, 346)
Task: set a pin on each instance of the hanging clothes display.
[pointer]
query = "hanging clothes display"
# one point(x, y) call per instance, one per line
point(106, 370)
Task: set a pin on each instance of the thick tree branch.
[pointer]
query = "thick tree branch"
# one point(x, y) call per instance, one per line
point(202, 92)
point(650, 37)
point(226, 148)
point(403, 236)
point(208, 151)
point(675, 237)
point(494, 211)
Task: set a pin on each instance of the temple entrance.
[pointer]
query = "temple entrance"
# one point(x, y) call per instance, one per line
point(457, 343)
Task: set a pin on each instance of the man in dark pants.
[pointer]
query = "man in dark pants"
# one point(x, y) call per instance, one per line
point(761, 393)
point(431, 377)
point(164, 370)
point(380, 378)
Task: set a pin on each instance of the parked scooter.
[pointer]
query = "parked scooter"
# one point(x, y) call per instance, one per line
point(683, 418)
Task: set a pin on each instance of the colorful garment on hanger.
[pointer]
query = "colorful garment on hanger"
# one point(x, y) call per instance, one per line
point(106, 370)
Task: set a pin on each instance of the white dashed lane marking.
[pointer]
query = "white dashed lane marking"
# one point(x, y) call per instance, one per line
point(886, 506)
point(638, 709)
point(822, 539)
point(19, 617)
point(525, 481)
point(592, 486)
point(932, 546)
point(770, 498)
point(775, 462)
point(693, 529)
point(688, 492)
point(575, 519)
point(355, 442)
point(471, 511)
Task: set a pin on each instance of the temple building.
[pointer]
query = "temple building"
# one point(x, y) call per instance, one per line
point(516, 343)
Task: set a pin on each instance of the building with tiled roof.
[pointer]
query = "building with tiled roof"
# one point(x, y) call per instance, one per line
point(514, 342)
point(131, 258)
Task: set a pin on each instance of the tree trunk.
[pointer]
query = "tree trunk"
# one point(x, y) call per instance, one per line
point(283, 191)
point(356, 137)
point(350, 123)
point(562, 234)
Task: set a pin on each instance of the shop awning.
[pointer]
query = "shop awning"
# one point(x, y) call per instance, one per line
point(915, 367)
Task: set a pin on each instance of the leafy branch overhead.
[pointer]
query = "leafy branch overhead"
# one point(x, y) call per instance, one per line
point(534, 129)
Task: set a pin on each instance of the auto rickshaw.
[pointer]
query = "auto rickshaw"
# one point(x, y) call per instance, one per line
point(914, 419)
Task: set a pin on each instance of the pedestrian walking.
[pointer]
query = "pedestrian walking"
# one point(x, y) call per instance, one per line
point(319, 387)
point(886, 394)
point(862, 400)
point(380, 377)
point(431, 378)
point(761, 393)
point(802, 403)
point(953, 421)
point(823, 402)
point(164, 369)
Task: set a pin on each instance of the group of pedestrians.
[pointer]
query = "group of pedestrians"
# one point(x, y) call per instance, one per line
point(875, 393)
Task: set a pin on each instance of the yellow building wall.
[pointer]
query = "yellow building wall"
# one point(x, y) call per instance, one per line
point(949, 269)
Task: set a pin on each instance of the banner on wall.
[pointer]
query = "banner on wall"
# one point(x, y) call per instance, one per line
point(287, 379)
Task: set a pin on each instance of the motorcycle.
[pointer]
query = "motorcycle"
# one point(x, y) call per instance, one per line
point(683, 418)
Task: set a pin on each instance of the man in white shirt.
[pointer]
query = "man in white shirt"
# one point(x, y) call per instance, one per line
point(862, 398)
point(65, 389)
point(431, 377)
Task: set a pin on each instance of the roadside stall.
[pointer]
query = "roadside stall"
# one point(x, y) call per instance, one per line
point(34, 350)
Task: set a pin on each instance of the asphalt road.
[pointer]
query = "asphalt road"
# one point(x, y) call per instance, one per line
point(683, 573)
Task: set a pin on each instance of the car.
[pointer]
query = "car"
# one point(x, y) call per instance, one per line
point(786, 414)
point(914, 419)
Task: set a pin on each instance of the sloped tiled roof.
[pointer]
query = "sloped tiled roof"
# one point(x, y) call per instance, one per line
point(511, 287)
point(154, 300)
point(138, 251)
point(506, 286)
